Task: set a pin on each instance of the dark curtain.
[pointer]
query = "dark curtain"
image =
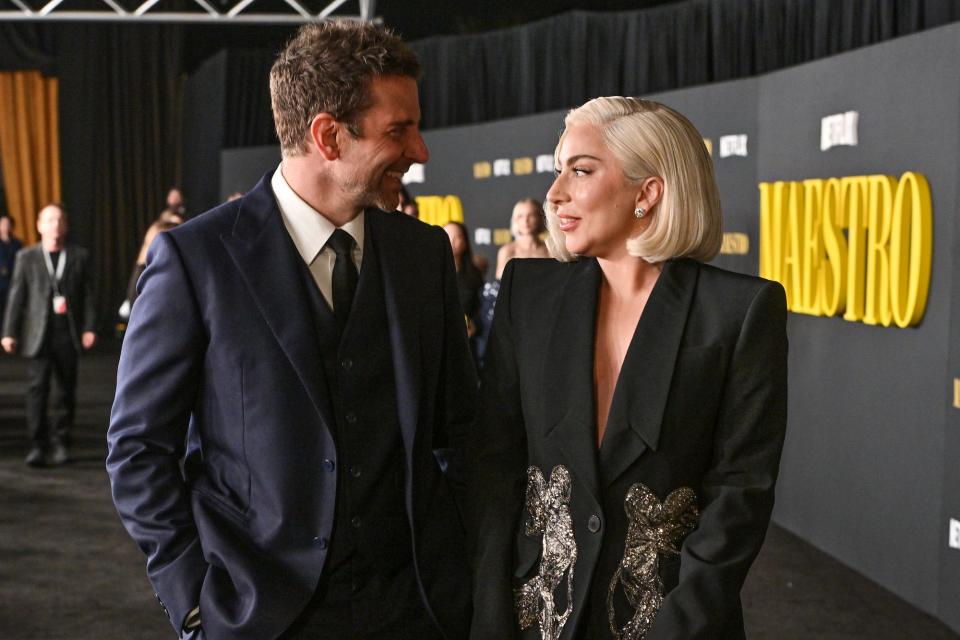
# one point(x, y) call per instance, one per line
point(121, 140)
point(26, 46)
point(562, 62)
point(249, 121)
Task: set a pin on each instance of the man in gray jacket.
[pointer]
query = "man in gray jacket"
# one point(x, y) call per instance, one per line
point(50, 317)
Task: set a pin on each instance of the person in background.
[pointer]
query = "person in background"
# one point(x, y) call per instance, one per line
point(175, 201)
point(408, 204)
point(469, 277)
point(50, 318)
point(9, 246)
point(637, 393)
point(168, 219)
point(527, 223)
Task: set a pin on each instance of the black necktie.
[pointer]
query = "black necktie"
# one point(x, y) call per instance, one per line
point(344, 276)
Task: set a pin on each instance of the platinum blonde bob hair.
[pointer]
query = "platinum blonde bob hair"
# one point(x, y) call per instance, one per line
point(651, 139)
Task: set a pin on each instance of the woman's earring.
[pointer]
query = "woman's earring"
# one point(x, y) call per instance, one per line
point(639, 212)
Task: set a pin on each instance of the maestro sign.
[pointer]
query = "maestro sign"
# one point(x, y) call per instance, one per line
point(859, 246)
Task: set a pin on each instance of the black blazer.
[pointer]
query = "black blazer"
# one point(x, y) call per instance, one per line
point(30, 302)
point(697, 422)
point(222, 342)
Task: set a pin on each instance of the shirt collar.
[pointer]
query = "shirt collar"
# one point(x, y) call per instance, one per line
point(308, 228)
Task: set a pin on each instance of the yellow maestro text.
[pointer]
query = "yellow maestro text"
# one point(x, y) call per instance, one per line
point(440, 210)
point(859, 246)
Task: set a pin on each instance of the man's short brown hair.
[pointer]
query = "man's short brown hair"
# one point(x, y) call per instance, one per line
point(328, 68)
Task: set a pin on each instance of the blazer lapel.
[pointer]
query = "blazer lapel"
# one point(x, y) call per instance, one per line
point(639, 399)
point(568, 379)
point(268, 261)
point(401, 295)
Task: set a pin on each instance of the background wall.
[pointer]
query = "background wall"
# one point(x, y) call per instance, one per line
point(863, 468)
point(869, 472)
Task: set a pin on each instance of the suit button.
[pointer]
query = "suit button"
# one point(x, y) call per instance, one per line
point(356, 522)
point(355, 585)
point(356, 471)
point(347, 364)
point(320, 542)
point(593, 524)
point(351, 417)
point(329, 465)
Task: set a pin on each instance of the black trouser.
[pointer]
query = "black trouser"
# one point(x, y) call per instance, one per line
point(58, 357)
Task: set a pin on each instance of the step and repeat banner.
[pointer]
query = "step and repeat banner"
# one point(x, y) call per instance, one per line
point(838, 179)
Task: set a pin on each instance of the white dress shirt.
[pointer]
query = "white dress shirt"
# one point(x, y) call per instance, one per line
point(310, 232)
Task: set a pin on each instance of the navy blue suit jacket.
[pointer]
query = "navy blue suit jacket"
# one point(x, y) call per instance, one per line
point(221, 357)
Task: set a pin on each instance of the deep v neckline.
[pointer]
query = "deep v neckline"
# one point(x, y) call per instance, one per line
point(631, 360)
point(606, 378)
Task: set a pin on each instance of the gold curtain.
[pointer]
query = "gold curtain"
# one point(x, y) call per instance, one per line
point(29, 147)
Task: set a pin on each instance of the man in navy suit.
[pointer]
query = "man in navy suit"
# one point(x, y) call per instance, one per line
point(295, 384)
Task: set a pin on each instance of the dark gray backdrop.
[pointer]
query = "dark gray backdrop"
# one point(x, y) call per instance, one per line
point(870, 471)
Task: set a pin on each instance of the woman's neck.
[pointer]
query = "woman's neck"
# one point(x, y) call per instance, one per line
point(627, 277)
point(528, 242)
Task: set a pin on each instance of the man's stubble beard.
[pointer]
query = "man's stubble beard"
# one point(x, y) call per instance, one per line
point(367, 195)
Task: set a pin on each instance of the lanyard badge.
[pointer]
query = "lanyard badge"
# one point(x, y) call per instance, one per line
point(59, 300)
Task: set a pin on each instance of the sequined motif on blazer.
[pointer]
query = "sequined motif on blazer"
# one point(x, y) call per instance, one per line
point(654, 529)
point(548, 505)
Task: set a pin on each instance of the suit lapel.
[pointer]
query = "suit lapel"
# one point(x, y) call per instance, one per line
point(640, 396)
point(268, 261)
point(568, 374)
point(401, 295)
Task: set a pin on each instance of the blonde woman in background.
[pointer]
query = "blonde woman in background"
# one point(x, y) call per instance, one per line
point(526, 224)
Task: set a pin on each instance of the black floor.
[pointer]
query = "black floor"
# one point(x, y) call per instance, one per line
point(69, 571)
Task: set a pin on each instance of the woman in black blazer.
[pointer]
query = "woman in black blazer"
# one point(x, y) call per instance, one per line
point(633, 403)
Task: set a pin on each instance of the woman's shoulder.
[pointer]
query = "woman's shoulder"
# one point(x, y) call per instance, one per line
point(732, 280)
point(540, 268)
point(732, 290)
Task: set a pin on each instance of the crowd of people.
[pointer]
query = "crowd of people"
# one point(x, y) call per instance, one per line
point(299, 440)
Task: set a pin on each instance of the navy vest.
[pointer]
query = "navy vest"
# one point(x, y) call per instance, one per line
point(368, 588)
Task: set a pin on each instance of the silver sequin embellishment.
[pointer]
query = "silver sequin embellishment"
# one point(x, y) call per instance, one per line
point(549, 507)
point(654, 528)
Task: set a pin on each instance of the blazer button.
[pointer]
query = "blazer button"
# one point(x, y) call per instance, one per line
point(329, 465)
point(347, 364)
point(356, 471)
point(351, 417)
point(593, 524)
point(356, 522)
point(320, 542)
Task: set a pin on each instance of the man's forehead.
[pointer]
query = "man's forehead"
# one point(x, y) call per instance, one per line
point(50, 211)
point(394, 98)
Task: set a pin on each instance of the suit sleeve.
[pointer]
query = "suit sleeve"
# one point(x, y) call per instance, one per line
point(737, 494)
point(157, 382)
point(498, 458)
point(16, 299)
point(458, 379)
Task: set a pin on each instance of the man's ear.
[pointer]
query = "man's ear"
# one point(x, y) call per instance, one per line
point(323, 136)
